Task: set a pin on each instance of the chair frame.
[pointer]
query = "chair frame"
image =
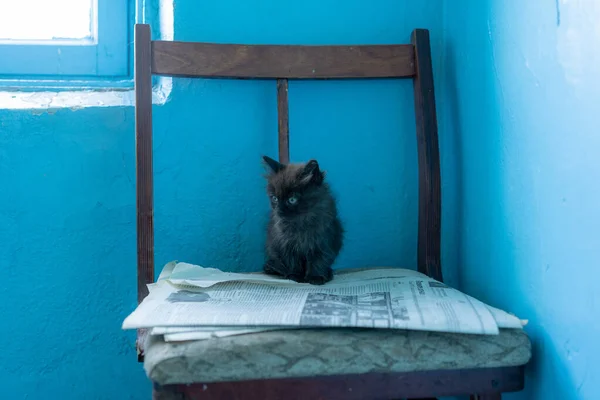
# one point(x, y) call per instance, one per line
point(281, 63)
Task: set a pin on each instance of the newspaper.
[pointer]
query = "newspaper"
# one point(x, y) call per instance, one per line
point(214, 334)
point(189, 275)
point(185, 333)
point(189, 296)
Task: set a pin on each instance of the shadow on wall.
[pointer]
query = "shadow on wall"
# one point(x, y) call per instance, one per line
point(450, 125)
point(525, 114)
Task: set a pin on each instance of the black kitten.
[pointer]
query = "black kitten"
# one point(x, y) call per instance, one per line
point(305, 234)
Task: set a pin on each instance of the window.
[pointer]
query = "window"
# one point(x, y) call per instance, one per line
point(65, 38)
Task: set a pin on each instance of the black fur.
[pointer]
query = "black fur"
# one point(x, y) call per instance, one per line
point(304, 236)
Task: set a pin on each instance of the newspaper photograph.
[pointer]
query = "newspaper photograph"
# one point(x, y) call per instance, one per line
point(393, 298)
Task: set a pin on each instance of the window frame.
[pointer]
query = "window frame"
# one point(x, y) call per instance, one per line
point(105, 56)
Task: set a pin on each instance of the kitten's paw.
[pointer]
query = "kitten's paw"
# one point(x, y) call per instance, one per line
point(296, 278)
point(318, 280)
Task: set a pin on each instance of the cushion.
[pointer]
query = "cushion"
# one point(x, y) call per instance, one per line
point(312, 352)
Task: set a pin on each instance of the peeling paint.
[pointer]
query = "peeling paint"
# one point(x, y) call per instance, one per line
point(80, 99)
point(579, 22)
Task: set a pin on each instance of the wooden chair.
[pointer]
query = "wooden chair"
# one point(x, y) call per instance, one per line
point(316, 364)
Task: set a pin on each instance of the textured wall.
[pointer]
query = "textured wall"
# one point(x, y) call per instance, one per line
point(67, 203)
point(67, 254)
point(525, 110)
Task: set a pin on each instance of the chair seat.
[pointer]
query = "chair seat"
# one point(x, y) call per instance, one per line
point(321, 352)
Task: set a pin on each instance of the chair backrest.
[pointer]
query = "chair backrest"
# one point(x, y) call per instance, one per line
point(280, 63)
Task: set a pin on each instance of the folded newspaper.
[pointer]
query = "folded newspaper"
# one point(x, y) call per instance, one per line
point(189, 302)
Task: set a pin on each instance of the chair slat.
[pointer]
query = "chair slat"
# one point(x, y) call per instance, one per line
point(193, 59)
point(283, 121)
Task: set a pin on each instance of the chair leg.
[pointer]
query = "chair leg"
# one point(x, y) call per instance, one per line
point(489, 396)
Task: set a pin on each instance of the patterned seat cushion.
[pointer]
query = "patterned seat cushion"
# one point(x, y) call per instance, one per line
point(312, 352)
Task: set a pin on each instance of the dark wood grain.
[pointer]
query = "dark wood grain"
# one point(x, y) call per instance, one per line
point(143, 142)
point(430, 192)
point(211, 60)
point(143, 145)
point(360, 387)
point(283, 124)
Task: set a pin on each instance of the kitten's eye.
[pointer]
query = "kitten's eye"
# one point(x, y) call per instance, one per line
point(274, 199)
point(293, 200)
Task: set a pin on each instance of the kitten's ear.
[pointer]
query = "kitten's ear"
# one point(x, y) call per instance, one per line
point(312, 173)
point(274, 165)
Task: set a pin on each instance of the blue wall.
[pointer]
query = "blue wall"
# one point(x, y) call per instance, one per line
point(67, 234)
point(67, 204)
point(524, 108)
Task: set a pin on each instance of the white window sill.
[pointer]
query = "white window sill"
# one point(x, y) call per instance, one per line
point(80, 98)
